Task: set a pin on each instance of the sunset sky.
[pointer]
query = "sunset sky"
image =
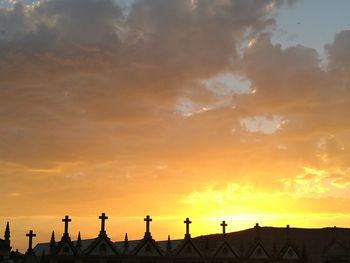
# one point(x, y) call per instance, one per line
point(233, 110)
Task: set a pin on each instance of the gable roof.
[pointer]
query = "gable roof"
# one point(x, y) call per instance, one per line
point(101, 241)
point(65, 247)
point(147, 247)
point(188, 249)
point(289, 251)
point(257, 251)
point(225, 250)
point(335, 248)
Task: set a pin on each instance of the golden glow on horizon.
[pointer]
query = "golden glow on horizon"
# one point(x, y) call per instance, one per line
point(162, 226)
point(241, 203)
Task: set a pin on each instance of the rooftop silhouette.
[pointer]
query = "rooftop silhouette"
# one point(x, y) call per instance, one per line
point(258, 244)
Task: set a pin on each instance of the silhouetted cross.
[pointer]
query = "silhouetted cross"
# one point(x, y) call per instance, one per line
point(187, 222)
point(30, 235)
point(66, 221)
point(148, 219)
point(103, 218)
point(224, 225)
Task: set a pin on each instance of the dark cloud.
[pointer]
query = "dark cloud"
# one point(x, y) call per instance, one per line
point(193, 37)
point(282, 77)
point(60, 25)
point(339, 51)
point(201, 37)
point(75, 64)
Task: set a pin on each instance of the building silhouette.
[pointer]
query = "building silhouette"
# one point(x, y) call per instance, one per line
point(5, 245)
point(255, 245)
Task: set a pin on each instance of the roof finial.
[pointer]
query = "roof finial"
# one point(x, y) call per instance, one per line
point(7, 231)
point(224, 225)
point(52, 241)
point(103, 218)
point(287, 231)
point(126, 242)
point(187, 222)
point(257, 231)
point(7, 235)
point(148, 221)
point(168, 244)
point(78, 245)
point(66, 221)
point(30, 236)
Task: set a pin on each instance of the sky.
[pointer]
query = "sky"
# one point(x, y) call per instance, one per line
point(229, 110)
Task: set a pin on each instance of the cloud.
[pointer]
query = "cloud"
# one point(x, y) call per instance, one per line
point(90, 91)
point(68, 68)
point(339, 51)
point(59, 25)
point(179, 36)
point(281, 77)
point(263, 124)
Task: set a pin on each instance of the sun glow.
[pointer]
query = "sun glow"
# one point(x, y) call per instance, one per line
point(237, 201)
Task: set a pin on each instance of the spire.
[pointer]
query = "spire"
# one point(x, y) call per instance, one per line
point(126, 242)
point(52, 241)
point(7, 235)
point(168, 244)
point(78, 245)
point(7, 231)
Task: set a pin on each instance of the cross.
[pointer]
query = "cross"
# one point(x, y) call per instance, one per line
point(30, 235)
point(103, 218)
point(148, 219)
point(187, 222)
point(66, 220)
point(224, 225)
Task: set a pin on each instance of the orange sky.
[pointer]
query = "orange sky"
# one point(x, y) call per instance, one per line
point(170, 108)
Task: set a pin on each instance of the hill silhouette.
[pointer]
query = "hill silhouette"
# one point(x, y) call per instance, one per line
point(309, 245)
